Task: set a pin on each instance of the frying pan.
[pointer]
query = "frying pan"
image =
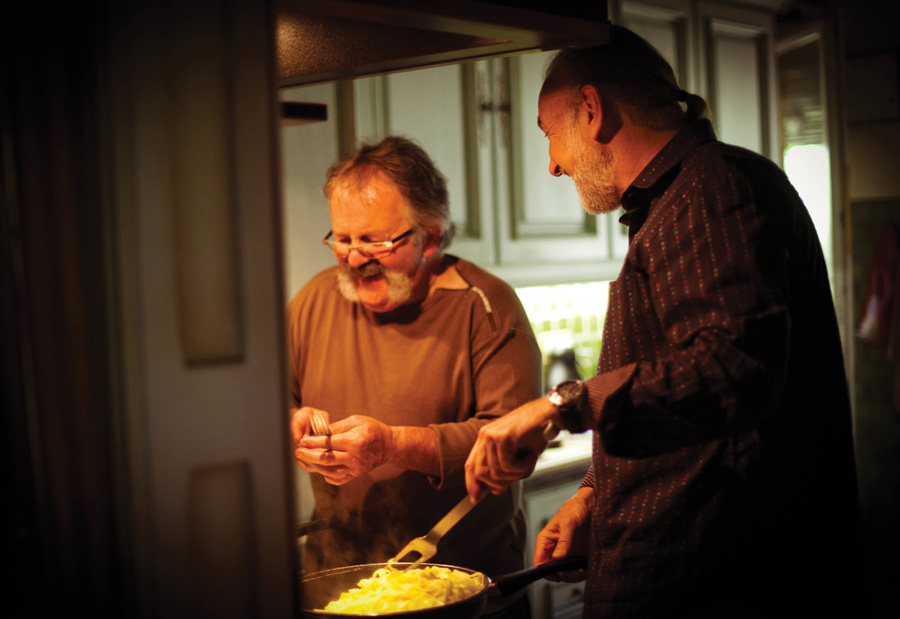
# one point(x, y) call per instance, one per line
point(320, 588)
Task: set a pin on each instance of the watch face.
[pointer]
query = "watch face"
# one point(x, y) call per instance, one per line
point(569, 398)
point(570, 390)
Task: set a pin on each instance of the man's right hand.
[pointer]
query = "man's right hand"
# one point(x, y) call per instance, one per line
point(301, 428)
point(567, 533)
point(507, 448)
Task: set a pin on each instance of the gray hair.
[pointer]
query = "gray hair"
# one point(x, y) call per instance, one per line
point(411, 170)
point(631, 72)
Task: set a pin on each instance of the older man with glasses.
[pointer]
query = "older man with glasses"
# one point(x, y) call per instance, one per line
point(409, 351)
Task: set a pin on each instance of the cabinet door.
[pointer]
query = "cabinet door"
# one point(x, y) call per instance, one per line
point(550, 600)
point(668, 25)
point(739, 79)
point(544, 222)
point(436, 107)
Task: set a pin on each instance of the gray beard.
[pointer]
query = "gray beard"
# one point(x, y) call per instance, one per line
point(399, 284)
point(593, 178)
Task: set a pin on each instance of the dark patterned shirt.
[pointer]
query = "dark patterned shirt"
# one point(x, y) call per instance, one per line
point(723, 470)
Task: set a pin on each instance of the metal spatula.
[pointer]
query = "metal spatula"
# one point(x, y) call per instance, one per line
point(426, 545)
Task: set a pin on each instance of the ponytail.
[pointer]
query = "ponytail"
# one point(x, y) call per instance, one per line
point(696, 106)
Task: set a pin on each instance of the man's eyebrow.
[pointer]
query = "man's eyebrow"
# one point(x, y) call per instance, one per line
point(541, 125)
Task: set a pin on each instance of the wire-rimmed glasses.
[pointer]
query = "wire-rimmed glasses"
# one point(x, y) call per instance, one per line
point(373, 249)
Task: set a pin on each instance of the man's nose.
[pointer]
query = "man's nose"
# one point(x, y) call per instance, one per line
point(355, 259)
point(555, 170)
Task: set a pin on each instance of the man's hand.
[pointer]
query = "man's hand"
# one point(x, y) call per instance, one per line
point(566, 534)
point(301, 427)
point(300, 423)
point(507, 448)
point(357, 445)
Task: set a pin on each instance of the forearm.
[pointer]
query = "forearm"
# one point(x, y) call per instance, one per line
point(584, 497)
point(415, 449)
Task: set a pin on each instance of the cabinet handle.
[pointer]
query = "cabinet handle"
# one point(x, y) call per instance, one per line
point(482, 107)
point(503, 107)
point(491, 101)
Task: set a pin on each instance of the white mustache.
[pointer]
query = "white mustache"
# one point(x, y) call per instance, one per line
point(369, 269)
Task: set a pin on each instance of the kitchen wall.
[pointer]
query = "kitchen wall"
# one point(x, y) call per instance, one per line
point(568, 316)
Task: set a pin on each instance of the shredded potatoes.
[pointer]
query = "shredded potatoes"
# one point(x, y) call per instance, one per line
point(390, 590)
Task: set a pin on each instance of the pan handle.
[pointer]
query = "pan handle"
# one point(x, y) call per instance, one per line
point(510, 583)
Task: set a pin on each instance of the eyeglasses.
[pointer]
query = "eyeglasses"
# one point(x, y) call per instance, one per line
point(373, 249)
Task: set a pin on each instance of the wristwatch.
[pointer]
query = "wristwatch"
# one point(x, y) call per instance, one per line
point(569, 398)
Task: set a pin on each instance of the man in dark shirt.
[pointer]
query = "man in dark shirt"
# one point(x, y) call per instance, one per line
point(723, 477)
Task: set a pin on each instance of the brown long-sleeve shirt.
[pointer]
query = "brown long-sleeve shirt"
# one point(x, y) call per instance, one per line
point(455, 361)
point(723, 466)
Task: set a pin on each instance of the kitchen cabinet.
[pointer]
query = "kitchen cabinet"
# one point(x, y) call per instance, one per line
point(438, 107)
point(670, 26)
point(557, 476)
point(723, 51)
point(551, 600)
point(478, 122)
point(738, 78)
point(544, 224)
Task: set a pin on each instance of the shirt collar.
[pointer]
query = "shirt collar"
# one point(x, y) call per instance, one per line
point(637, 198)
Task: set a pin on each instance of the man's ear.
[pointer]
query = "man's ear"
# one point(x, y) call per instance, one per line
point(431, 242)
point(591, 105)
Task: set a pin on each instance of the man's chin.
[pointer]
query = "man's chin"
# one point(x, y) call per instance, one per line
point(371, 291)
point(378, 299)
point(600, 209)
point(598, 202)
